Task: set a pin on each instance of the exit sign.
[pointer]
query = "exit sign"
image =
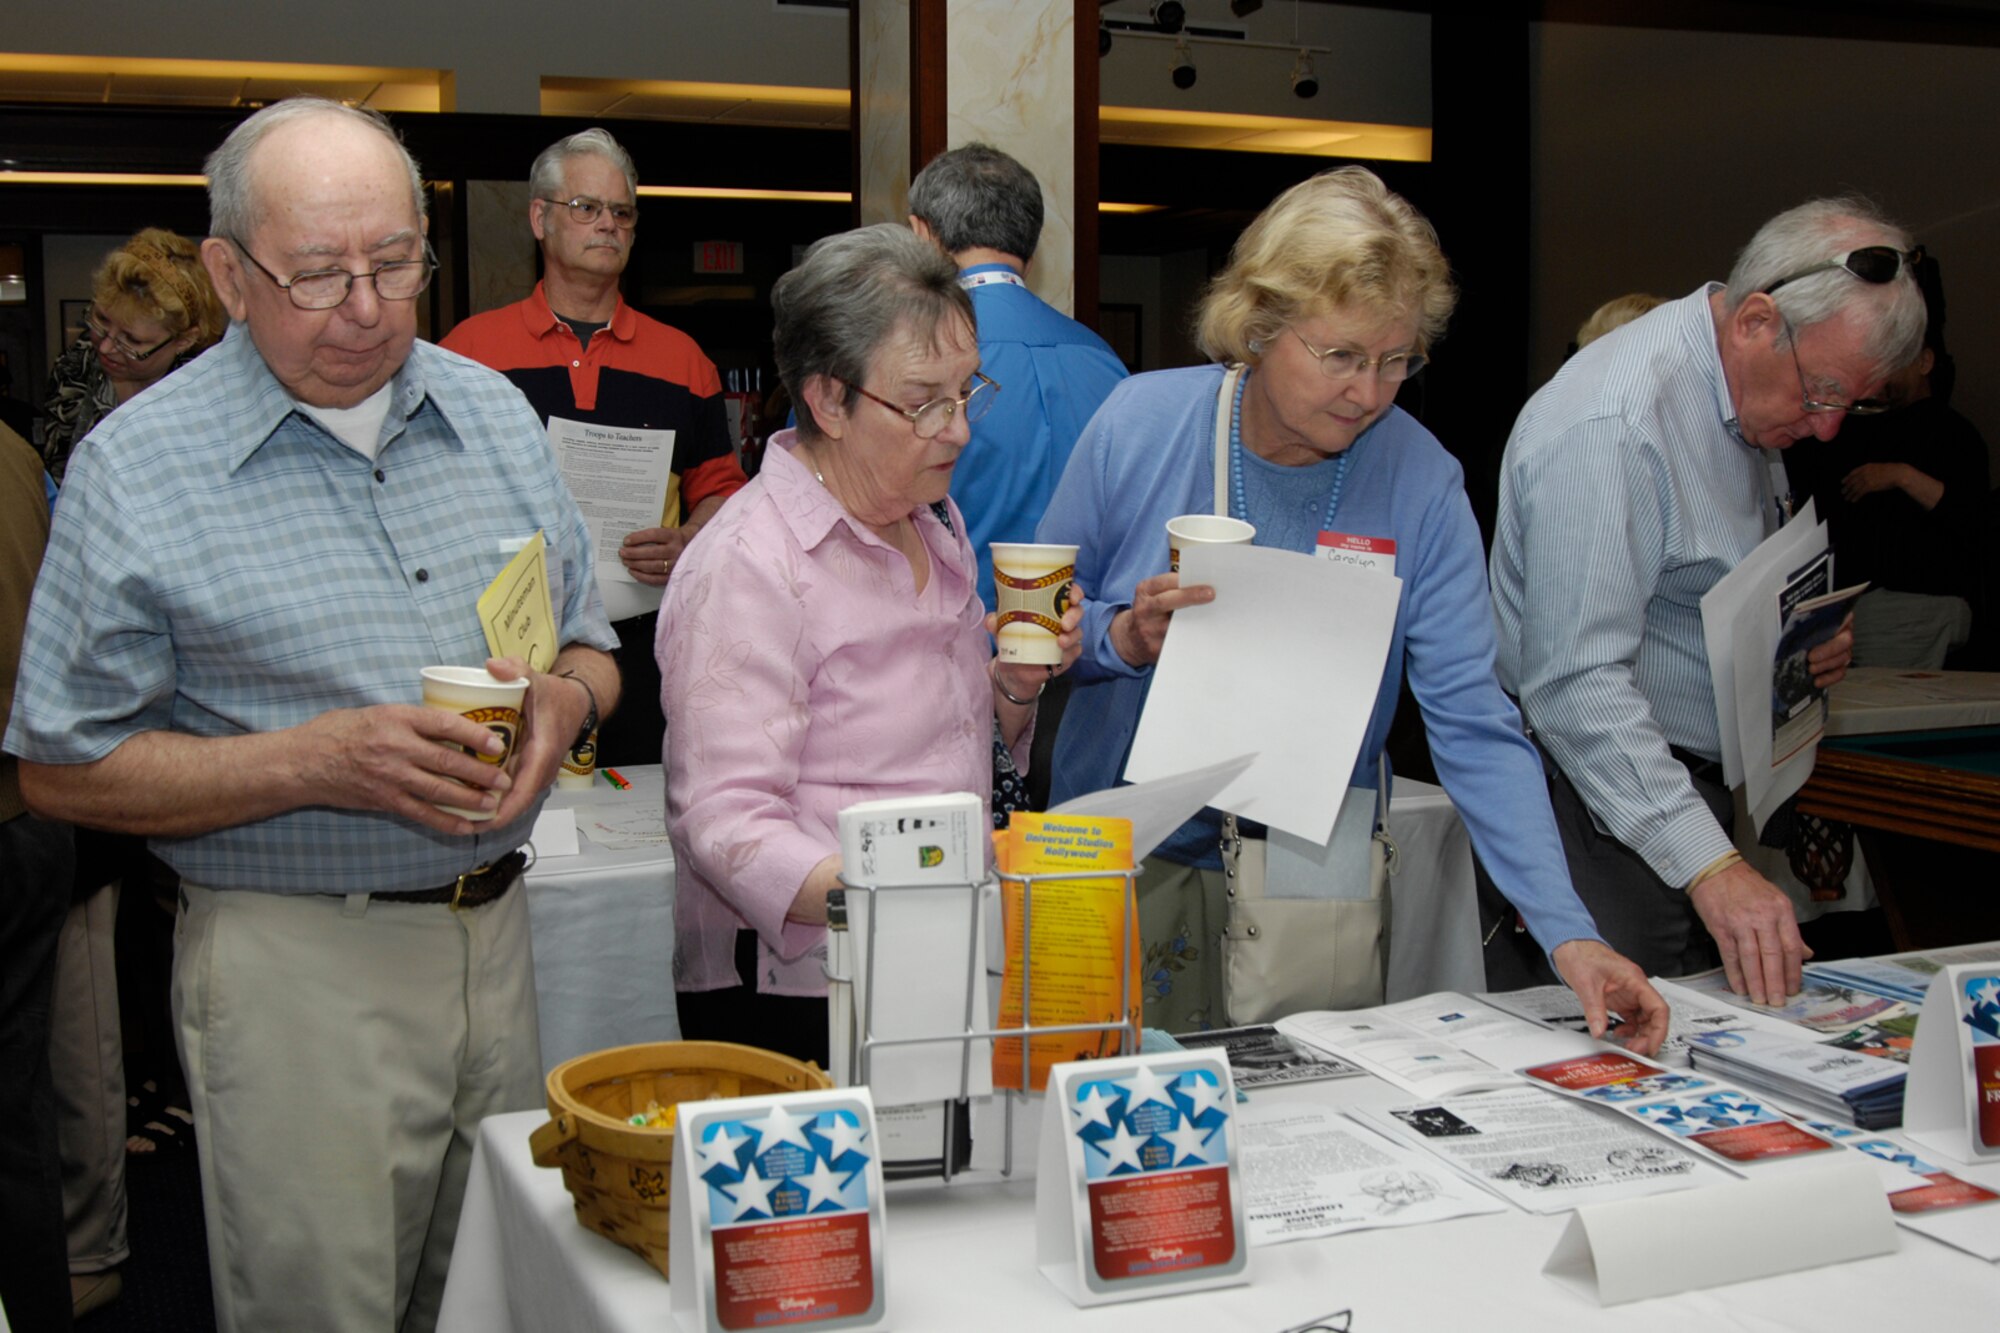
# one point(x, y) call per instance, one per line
point(718, 256)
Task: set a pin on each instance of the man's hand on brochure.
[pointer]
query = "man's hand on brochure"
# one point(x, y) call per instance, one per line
point(1757, 931)
point(1829, 660)
point(1604, 979)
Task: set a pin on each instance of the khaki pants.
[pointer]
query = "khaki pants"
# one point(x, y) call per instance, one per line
point(87, 1063)
point(340, 1054)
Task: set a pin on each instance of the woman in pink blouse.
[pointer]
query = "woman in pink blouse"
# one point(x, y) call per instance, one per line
point(822, 641)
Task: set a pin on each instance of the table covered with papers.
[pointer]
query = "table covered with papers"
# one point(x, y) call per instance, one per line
point(1379, 1175)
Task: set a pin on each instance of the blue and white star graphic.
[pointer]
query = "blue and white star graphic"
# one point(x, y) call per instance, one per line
point(814, 1161)
point(1982, 1008)
point(1150, 1120)
point(1729, 1110)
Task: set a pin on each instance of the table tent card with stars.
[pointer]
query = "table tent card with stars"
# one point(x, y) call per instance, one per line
point(1951, 1102)
point(1979, 1009)
point(776, 1215)
point(1137, 1190)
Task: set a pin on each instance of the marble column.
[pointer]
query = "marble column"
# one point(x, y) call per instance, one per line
point(1009, 80)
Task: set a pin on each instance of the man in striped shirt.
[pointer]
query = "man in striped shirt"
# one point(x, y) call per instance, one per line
point(1634, 481)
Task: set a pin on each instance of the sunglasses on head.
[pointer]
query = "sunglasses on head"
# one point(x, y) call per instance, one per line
point(1871, 263)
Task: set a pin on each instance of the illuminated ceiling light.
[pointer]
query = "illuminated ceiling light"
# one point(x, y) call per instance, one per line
point(728, 192)
point(1304, 82)
point(97, 178)
point(1183, 68)
point(1105, 207)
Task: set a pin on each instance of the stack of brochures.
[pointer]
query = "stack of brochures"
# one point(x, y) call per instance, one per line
point(1844, 1084)
point(1902, 976)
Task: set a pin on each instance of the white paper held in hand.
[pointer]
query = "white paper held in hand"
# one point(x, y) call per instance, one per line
point(1285, 663)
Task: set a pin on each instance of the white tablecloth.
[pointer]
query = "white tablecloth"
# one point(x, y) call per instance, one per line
point(961, 1257)
point(1434, 908)
point(603, 920)
point(603, 929)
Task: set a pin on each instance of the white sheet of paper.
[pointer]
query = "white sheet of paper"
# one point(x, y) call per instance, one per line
point(1310, 1171)
point(1542, 1152)
point(1754, 582)
point(619, 476)
point(1628, 1250)
point(1283, 664)
point(555, 834)
point(1158, 807)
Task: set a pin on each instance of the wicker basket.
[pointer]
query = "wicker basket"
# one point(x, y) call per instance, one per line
point(619, 1173)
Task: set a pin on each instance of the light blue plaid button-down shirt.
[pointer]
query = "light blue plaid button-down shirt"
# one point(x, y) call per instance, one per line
point(219, 565)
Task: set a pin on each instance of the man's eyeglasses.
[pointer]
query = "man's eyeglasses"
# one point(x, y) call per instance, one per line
point(585, 210)
point(1861, 407)
point(325, 288)
point(930, 420)
point(1875, 264)
point(1342, 363)
point(102, 332)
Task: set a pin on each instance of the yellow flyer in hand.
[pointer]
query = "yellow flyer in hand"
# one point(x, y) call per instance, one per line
point(1082, 931)
point(520, 620)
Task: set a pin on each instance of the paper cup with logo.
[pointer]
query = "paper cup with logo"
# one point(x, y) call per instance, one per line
point(579, 766)
point(478, 696)
point(1204, 530)
point(1032, 584)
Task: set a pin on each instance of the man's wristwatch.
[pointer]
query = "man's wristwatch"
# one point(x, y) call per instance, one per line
point(589, 718)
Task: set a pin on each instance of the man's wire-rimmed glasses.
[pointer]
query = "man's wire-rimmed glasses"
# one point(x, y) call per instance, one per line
point(930, 420)
point(102, 332)
point(586, 209)
point(1344, 363)
point(325, 288)
point(1861, 407)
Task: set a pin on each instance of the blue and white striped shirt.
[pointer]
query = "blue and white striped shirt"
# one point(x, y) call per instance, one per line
point(1625, 495)
point(220, 565)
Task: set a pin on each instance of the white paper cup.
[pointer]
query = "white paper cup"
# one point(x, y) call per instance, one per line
point(1032, 584)
point(478, 695)
point(579, 766)
point(1204, 530)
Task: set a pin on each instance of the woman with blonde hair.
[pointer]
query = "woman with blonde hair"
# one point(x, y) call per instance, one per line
point(1332, 298)
point(151, 309)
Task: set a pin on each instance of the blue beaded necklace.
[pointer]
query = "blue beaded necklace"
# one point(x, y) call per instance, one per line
point(1239, 505)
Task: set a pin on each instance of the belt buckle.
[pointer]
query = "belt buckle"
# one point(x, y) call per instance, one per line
point(458, 885)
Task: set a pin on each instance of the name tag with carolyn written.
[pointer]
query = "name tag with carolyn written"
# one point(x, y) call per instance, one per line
point(1348, 548)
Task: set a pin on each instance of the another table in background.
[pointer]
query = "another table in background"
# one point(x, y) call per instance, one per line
point(603, 923)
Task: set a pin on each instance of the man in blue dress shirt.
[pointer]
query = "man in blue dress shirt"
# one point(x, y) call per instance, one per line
point(249, 567)
point(1637, 478)
point(985, 210)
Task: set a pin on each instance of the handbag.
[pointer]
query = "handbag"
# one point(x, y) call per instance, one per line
point(1288, 955)
point(1284, 955)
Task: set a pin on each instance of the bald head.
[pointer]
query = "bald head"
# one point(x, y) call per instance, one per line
point(311, 187)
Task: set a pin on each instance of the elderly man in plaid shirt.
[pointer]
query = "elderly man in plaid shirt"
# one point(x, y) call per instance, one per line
point(248, 569)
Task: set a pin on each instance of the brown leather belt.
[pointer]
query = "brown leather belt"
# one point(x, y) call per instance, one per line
point(475, 888)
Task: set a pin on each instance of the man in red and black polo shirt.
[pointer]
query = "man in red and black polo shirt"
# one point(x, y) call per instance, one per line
point(582, 355)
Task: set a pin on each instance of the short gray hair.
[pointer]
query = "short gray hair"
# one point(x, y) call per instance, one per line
point(979, 196)
point(545, 178)
point(1821, 231)
point(232, 203)
point(849, 296)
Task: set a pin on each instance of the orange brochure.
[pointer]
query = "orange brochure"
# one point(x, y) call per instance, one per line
point(1084, 937)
